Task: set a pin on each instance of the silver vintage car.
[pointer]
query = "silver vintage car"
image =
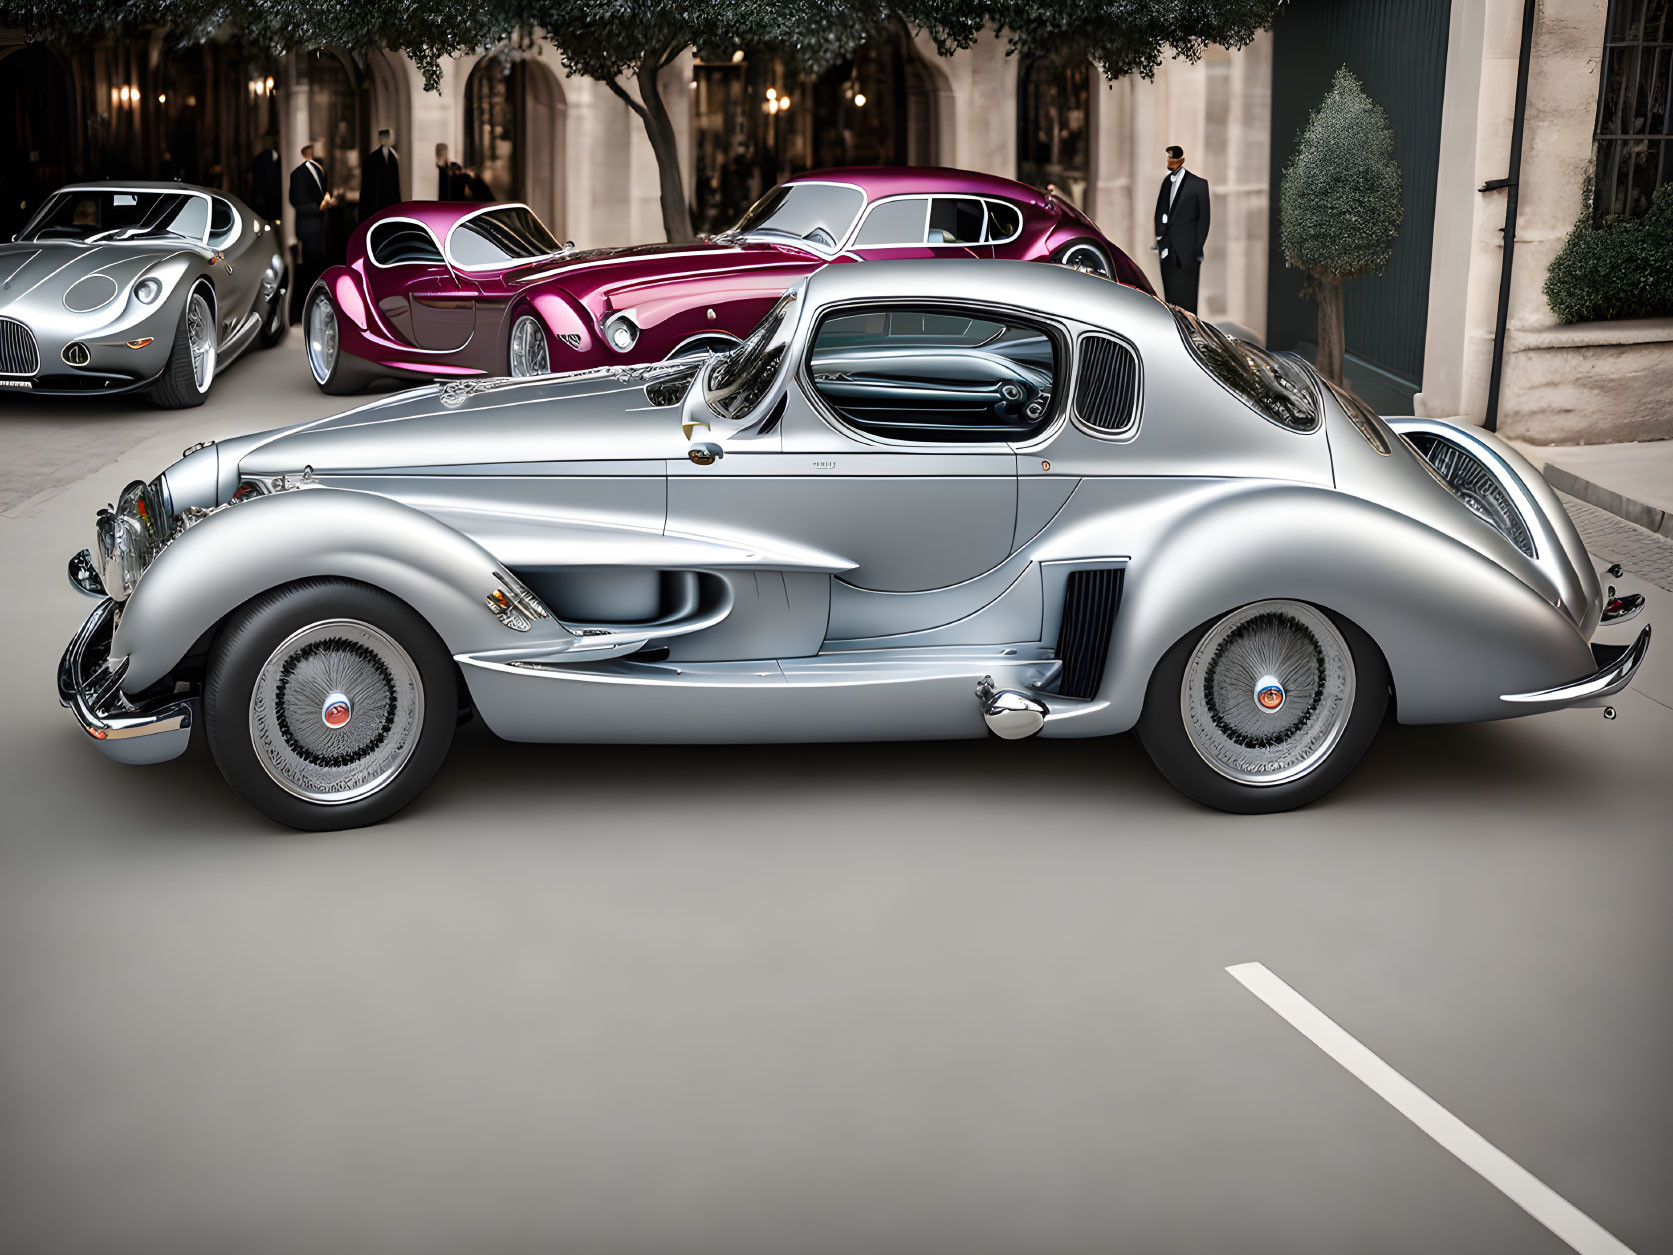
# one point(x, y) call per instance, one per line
point(922, 500)
point(125, 287)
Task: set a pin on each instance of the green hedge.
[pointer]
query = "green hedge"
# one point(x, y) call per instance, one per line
point(1621, 270)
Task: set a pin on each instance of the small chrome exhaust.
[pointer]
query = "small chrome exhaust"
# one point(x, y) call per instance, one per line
point(1008, 713)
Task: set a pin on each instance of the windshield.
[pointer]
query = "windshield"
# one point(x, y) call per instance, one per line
point(104, 213)
point(500, 237)
point(738, 380)
point(819, 213)
point(1279, 388)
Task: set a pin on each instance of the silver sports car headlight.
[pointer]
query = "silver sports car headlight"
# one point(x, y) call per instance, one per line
point(129, 535)
point(147, 290)
point(1473, 483)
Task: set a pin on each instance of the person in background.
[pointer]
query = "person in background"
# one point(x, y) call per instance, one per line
point(380, 178)
point(444, 174)
point(310, 197)
point(476, 188)
point(1181, 230)
point(267, 180)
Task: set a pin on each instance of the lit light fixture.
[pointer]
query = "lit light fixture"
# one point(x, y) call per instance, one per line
point(269, 84)
point(772, 93)
point(737, 55)
point(693, 84)
point(162, 98)
point(860, 99)
point(784, 102)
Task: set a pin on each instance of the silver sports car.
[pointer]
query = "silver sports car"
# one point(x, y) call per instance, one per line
point(122, 287)
point(921, 500)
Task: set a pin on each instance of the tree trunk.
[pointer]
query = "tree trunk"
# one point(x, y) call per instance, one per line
point(1331, 327)
point(676, 216)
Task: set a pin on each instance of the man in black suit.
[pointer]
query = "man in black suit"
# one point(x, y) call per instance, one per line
point(267, 180)
point(380, 178)
point(1181, 230)
point(310, 198)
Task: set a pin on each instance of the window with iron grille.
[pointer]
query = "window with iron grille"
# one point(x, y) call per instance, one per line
point(1633, 142)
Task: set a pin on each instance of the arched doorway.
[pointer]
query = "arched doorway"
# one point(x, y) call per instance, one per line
point(1054, 104)
point(756, 122)
point(514, 133)
point(38, 142)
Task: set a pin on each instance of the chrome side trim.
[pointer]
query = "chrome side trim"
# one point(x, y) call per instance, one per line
point(122, 731)
point(1609, 679)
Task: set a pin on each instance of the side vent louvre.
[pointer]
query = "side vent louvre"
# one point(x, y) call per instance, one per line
point(1089, 603)
point(1106, 387)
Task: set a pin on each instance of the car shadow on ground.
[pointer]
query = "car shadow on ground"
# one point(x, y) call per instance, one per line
point(487, 781)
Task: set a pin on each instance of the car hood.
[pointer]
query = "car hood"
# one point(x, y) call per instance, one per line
point(622, 277)
point(512, 425)
point(34, 278)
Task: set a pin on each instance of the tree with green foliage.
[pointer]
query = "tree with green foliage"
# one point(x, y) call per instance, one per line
point(1623, 269)
point(629, 44)
point(1339, 204)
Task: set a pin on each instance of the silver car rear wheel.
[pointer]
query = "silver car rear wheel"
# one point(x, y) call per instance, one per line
point(529, 353)
point(1267, 692)
point(336, 711)
point(322, 338)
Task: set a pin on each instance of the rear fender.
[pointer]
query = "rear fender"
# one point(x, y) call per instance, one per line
point(244, 550)
point(1458, 630)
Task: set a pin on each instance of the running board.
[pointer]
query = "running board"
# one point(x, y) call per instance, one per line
point(863, 695)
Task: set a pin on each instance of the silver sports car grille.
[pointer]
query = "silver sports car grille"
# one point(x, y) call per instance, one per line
point(18, 354)
point(1106, 386)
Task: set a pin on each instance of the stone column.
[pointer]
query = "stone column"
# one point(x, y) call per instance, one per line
point(1455, 205)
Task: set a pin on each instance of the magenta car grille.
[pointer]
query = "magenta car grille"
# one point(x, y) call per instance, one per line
point(18, 353)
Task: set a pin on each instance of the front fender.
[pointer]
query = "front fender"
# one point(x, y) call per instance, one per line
point(1458, 630)
point(244, 550)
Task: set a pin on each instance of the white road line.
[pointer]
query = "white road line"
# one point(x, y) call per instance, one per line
point(1511, 1179)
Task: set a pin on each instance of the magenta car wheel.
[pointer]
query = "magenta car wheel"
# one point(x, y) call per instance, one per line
point(1084, 255)
point(528, 354)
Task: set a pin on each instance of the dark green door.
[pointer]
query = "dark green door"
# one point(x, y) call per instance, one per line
point(1397, 48)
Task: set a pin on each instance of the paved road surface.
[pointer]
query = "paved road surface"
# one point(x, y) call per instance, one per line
point(965, 997)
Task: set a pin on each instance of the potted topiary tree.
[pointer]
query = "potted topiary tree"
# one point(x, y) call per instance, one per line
point(1339, 206)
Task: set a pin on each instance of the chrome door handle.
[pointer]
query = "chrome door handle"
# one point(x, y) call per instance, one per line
point(706, 454)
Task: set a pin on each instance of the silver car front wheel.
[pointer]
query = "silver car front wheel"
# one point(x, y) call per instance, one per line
point(329, 704)
point(321, 330)
point(529, 354)
point(1264, 708)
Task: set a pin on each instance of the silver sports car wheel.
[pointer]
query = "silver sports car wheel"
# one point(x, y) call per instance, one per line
point(336, 711)
point(1267, 692)
point(1088, 257)
point(322, 338)
point(529, 354)
point(200, 339)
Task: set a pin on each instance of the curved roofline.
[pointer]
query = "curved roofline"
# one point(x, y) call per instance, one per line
point(888, 180)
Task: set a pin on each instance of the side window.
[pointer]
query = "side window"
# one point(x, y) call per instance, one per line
point(191, 219)
point(222, 221)
point(935, 375)
point(894, 222)
point(403, 244)
point(955, 220)
point(1004, 222)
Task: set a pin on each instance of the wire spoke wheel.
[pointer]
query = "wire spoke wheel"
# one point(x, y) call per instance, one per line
point(322, 338)
point(529, 354)
point(1268, 692)
point(336, 711)
point(200, 340)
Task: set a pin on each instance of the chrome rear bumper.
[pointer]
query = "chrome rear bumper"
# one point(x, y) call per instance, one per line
point(1617, 665)
point(90, 684)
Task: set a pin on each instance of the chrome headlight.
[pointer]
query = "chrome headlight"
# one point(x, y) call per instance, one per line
point(129, 535)
point(270, 277)
point(147, 290)
point(621, 332)
point(1469, 479)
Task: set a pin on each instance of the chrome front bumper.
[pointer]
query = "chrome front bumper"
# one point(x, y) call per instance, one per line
point(90, 684)
point(1617, 664)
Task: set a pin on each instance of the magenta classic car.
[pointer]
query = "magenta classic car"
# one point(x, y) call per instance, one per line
point(447, 290)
